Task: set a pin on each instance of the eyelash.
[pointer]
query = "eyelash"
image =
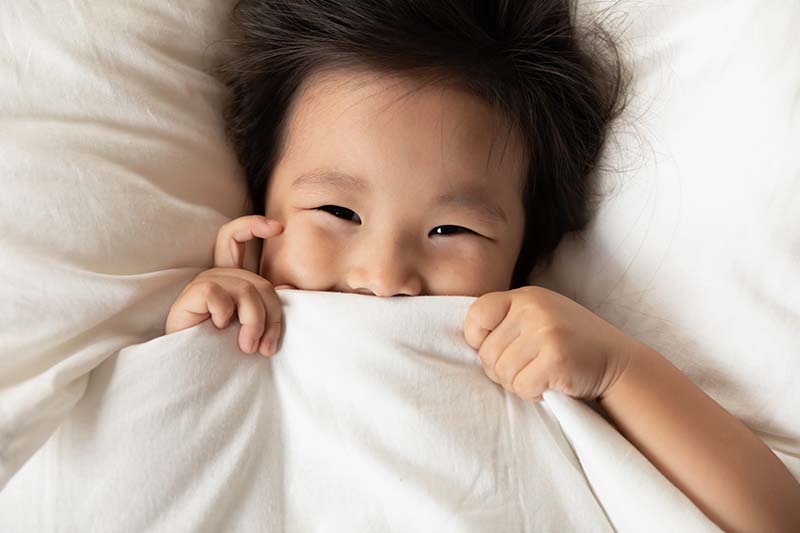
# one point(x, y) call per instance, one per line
point(331, 208)
point(334, 209)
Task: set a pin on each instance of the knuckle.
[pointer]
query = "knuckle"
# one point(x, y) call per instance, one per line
point(490, 374)
point(558, 363)
point(264, 284)
point(530, 291)
point(520, 387)
point(207, 287)
point(487, 353)
point(530, 308)
point(501, 368)
point(502, 377)
point(529, 298)
point(473, 314)
point(240, 286)
point(555, 334)
point(225, 229)
point(249, 290)
point(530, 305)
point(251, 299)
point(479, 309)
point(253, 221)
point(560, 336)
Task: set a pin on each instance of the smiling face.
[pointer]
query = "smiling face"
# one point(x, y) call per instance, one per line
point(388, 186)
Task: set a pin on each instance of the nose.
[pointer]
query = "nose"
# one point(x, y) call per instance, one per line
point(385, 269)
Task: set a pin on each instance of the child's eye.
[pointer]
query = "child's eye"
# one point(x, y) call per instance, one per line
point(340, 212)
point(450, 230)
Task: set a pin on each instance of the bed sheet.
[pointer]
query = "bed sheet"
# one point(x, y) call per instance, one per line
point(375, 416)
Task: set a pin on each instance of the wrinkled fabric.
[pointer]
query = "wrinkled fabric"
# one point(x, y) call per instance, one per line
point(374, 416)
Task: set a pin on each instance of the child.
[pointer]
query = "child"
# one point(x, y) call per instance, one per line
point(404, 148)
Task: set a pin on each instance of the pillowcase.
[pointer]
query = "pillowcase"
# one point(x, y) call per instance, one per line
point(696, 248)
point(116, 177)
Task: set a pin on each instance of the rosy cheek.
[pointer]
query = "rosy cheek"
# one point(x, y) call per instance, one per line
point(468, 271)
point(303, 256)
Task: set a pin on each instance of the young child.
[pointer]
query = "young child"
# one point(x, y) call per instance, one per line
point(404, 148)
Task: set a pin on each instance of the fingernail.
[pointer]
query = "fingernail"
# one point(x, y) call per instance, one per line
point(273, 345)
point(254, 346)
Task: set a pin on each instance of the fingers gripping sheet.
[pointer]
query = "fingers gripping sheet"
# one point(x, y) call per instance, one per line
point(374, 416)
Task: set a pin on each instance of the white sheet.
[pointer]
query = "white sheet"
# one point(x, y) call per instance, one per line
point(115, 176)
point(374, 416)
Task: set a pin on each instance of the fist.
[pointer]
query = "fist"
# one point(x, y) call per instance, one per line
point(532, 339)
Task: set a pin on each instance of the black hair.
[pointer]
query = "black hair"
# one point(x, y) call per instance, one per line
point(558, 86)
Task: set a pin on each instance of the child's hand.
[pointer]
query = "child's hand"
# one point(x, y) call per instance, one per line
point(532, 339)
point(228, 288)
point(229, 250)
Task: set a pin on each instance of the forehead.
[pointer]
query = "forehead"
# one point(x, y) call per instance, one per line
point(388, 128)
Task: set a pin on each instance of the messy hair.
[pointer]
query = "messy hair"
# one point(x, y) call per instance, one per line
point(557, 83)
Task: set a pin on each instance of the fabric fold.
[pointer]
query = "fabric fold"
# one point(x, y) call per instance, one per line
point(375, 415)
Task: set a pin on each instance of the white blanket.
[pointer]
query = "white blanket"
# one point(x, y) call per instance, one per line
point(374, 416)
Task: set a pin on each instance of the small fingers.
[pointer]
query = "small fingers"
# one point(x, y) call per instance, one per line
point(511, 362)
point(221, 305)
point(531, 382)
point(229, 249)
point(484, 315)
point(196, 303)
point(274, 320)
point(252, 314)
point(496, 344)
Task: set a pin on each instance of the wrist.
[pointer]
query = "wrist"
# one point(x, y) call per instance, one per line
point(633, 365)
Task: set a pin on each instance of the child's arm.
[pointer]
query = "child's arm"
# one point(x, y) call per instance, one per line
point(730, 474)
point(531, 339)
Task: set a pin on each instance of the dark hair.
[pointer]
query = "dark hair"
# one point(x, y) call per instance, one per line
point(560, 87)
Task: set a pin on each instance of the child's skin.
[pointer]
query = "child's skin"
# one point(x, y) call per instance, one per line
point(403, 168)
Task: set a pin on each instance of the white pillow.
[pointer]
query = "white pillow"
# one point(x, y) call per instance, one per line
point(116, 176)
point(696, 250)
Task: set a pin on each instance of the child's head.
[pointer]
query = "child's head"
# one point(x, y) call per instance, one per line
point(447, 143)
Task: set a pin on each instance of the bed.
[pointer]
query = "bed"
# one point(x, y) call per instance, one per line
point(116, 176)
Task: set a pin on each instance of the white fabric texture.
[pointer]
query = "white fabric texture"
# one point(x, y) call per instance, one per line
point(375, 416)
point(116, 176)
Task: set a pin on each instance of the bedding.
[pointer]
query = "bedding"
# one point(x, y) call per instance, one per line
point(695, 248)
point(116, 176)
point(375, 416)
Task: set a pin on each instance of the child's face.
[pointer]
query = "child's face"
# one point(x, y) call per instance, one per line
point(406, 171)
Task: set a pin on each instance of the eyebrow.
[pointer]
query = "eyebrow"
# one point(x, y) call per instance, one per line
point(472, 199)
point(332, 179)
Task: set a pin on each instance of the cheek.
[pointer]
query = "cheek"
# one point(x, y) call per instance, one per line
point(303, 256)
point(473, 274)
